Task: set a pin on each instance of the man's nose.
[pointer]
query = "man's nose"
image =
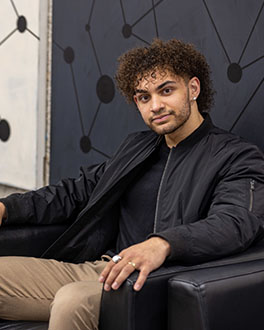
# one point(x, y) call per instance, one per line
point(156, 104)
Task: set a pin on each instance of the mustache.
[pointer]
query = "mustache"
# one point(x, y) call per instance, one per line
point(161, 114)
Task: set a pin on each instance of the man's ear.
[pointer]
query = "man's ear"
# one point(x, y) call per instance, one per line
point(194, 88)
point(135, 99)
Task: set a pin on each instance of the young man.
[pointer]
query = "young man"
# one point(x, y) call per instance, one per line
point(183, 191)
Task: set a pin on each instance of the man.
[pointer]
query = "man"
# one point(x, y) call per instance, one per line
point(183, 191)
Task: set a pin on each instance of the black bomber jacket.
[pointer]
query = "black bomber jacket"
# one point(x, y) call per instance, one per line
point(210, 202)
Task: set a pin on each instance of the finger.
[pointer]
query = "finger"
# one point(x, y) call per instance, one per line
point(106, 271)
point(112, 275)
point(141, 279)
point(122, 276)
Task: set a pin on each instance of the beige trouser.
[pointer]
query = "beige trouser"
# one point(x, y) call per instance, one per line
point(68, 295)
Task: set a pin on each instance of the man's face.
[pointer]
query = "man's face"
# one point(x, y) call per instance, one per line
point(163, 100)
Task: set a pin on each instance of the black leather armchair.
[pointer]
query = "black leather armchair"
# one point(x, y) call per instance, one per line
point(224, 294)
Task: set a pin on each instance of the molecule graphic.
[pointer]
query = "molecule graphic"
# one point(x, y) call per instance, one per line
point(105, 88)
point(127, 29)
point(234, 70)
point(21, 27)
point(4, 130)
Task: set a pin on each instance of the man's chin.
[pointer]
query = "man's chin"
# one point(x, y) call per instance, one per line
point(163, 130)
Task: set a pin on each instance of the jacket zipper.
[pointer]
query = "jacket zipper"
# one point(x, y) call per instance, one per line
point(251, 194)
point(159, 191)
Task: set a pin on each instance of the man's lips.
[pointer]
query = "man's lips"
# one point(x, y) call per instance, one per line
point(160, 118)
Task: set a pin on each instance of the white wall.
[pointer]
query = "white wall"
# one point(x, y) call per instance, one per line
point(22, 92)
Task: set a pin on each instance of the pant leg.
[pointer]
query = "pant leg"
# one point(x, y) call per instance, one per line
point(28, 285)
point(76, 306)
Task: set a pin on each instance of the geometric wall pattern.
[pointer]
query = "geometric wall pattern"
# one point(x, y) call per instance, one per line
point(19, 58)
point(90, 119)
point(21, 27)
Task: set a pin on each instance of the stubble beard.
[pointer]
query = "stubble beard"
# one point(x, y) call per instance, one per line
point(179, 120)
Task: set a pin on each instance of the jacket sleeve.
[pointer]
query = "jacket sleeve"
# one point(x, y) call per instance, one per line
point(235, 217)
point(54, 203)
point(61, 202)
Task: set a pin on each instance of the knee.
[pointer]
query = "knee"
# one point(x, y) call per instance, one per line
point(77, 300)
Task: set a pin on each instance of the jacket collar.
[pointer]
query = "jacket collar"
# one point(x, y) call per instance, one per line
point(205, 127)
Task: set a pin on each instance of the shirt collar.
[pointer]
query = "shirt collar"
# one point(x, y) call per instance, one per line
point(203, 130)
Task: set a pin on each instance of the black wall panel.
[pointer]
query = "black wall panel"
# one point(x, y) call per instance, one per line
point(90, 118)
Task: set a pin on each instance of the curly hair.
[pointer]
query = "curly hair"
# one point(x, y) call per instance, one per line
point(174, 56)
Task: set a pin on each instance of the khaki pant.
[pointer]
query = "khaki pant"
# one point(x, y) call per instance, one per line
point(68, 295)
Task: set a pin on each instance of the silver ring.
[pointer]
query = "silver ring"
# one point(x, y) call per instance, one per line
point(116, 258)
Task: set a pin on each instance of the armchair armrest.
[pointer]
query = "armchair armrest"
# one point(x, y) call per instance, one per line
point(226, 297)
point(128, 309)
point(28, 240)
point(148, 308)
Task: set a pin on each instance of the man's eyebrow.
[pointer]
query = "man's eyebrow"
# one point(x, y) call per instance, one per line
point(165, 83)
point(157, 88)
point(140, 91)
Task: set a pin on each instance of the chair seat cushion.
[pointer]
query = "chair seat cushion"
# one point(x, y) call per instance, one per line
point(23, 325)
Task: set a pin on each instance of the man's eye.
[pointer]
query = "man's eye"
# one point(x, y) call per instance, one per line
point(167, 91)
point(143, 98)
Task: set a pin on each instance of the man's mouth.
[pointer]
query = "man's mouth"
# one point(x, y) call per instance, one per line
point(161, 118)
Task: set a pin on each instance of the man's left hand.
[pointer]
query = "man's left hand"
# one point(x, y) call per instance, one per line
point(144, 257)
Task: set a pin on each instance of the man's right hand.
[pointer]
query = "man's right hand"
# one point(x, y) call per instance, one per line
point(2, 212)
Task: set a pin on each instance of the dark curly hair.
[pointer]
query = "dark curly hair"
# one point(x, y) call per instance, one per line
point(175, 56)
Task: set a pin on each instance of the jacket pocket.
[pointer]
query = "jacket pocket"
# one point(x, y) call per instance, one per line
point(251, 194)
point(256, 197)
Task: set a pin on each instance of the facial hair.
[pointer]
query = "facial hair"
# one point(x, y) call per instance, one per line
point(179, 120)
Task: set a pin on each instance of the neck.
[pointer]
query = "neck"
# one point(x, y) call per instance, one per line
point(193, 122)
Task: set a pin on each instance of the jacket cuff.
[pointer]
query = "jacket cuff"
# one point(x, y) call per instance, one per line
point(10, 205)
point(180, 243)
point(4, 219)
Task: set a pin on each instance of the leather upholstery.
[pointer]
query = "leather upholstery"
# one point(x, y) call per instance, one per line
point(215, 299)
point(28, 240)
point(126, 309)
point(148, 309)
point(20, 325)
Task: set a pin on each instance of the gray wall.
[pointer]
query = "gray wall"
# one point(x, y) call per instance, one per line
point(90, 118)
